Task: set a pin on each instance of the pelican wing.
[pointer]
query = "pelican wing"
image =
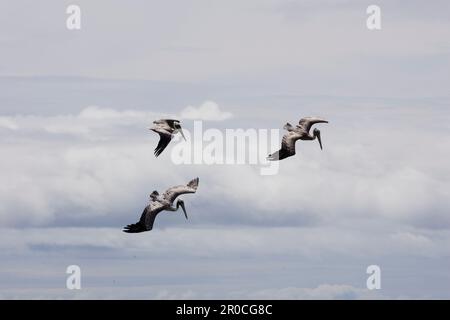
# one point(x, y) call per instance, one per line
point(287, 147)
point(147, 219)
point(166, 123)
point(164, 139)
point(307, 122)
point(172, 193)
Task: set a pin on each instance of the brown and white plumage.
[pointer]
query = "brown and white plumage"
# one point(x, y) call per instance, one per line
point(166, 128)
point(172, 193)
point(300, 132)
point(161, 203)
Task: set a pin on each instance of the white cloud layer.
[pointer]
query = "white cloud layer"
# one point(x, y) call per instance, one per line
point(82, 163)
point(321, 292)
point(208, 111)
point(8, 123)
point(368, 197)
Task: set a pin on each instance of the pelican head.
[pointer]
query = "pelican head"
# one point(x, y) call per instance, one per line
point(180, 203)
point(153, 196)
point(177, 126)
point(316, 134)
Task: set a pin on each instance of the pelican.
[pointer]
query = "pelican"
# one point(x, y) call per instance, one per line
point(301, 131)
point(160, 203)
point(166, 128)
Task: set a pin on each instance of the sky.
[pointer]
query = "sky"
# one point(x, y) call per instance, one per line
point(77, 158)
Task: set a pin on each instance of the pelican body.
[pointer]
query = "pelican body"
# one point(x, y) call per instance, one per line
point(166, 128)
point(299, 132)
point(159, 203)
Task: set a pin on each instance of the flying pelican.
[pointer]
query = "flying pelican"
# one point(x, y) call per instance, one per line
point(166, 128)
point(160, 203)
point(301, 131)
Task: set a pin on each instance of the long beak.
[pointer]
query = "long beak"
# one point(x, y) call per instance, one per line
point(320, 140)
point(184, 209)
point(182, 134)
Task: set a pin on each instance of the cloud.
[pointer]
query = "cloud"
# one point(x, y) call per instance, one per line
point(61, 164)
point(187, 241)
point(208, 111)
point(234, 263)
point(369, 197)
point(90, 122)
point(321, 292)
point(105, 114)
point(8, 123)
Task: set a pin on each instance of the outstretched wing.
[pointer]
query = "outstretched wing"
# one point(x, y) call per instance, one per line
point(307, 122)
point(172, 193)
point(164, 139)
point(147, 219)
point(287, 147)
point(166, 123)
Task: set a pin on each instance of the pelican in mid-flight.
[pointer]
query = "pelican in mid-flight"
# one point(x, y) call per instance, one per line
point(166, 128)
point(160, 203)
point(299, 132)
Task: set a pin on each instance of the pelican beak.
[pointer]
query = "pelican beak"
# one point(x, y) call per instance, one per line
point(320, 140)
point(184, 209)
point(182, 134)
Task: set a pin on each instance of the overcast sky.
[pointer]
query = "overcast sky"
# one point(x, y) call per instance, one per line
point(77, 158)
